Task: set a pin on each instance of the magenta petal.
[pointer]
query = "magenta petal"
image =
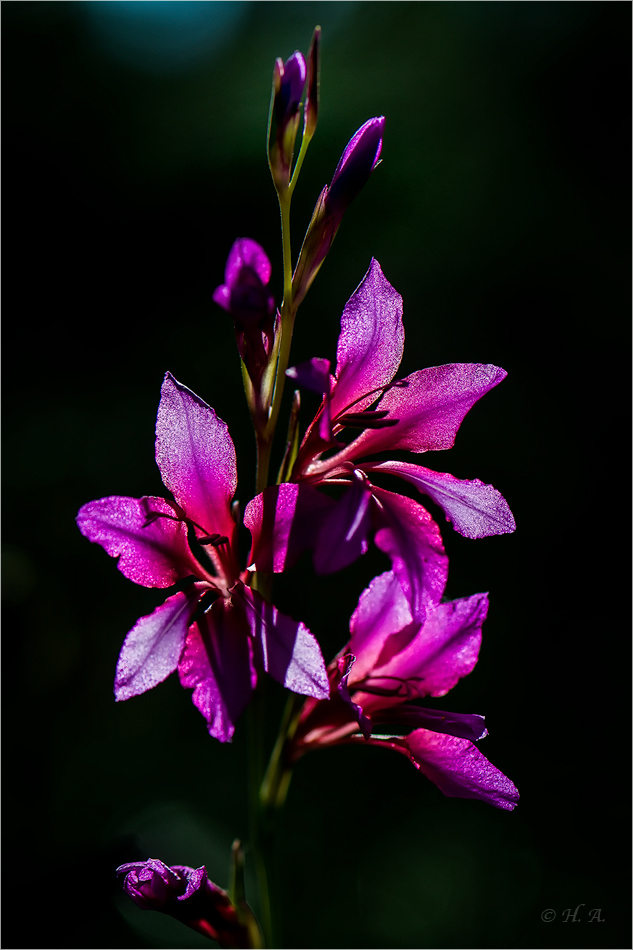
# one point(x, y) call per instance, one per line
point(381, 625)
point(457, 767)
point(217, 664)
point(345, 529)
point(196, 457)
point(152, 551)
point(371, 342)
point(246, 253)
point(444, 650)
point(429, 406)
point(410, 537)
point(286, 649)
point(475, 509)
point(284, 521)
point(152, 648)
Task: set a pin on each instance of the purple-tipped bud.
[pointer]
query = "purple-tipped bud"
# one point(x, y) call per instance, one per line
point(246, 296)
point(311, 108)
point(188, 895)
point(359, 159)
point(288, 83)
point(356, 165)
point(244, 293)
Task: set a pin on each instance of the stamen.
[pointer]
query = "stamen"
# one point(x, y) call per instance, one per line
point(370, 419)
point(215, 539)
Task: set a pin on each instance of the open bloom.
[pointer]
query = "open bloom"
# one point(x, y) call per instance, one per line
point(217, 632)
point(188, 895)
point(419, 413)
point(391, 662)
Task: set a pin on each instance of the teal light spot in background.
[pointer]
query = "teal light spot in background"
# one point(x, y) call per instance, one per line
point(164, 35)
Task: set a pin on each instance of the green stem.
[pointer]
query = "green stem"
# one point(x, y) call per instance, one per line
point(255, 767)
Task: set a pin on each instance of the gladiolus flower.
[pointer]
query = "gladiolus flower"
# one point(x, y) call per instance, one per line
point(217, 632)
point(188, 895)
point(389, 664)
point(419, 413)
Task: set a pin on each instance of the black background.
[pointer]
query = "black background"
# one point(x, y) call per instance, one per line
point(500, 213)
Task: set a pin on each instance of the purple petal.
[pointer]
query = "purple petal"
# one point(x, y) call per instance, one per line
point(313, 375)
point(410, 537)
point(196, 879)
point(284, 521)
point(463, 725)
point(345, 664)
point(292, 82)
point(429, 406)
point(456, 766)
point(246, 253)
point(345, 530)
point(475, 509)
point(444, 650)
point(217, 664)
point(286, 649)
point(152, 552)
point(381, 625)
point(152, 648)
point(196, 457)
point(371, 342)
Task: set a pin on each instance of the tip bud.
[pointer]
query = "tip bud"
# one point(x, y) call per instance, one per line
point(311, 108)
point(283, 121)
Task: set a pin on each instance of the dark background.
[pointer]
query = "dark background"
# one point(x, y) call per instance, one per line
point(133, 156)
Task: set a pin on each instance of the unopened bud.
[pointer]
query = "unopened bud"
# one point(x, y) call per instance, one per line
point(283, 122)
point(360, 157)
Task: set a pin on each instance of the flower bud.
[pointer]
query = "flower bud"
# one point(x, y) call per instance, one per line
point(246, 296)
point(283, 122)
point(359, 159)
point(188, 895)
point(311, 108)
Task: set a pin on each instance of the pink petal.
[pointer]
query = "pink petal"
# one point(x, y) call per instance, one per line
point(456, 766)
point(444, 650)
point(152, 552)
point(475, 509)
point(344, 532)
point(371, 342)
point(196, 457)
point(286, 649)
point(429, 405)
point(381, 624)
point(217, 664)
point(284, 521)
point(410, 537)
point(152, 648)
